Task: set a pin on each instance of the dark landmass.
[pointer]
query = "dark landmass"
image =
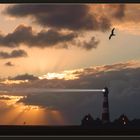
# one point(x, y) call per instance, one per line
point(89, 126)
point(67, 130)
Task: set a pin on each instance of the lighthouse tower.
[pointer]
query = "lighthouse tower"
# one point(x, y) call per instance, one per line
point(105, 113)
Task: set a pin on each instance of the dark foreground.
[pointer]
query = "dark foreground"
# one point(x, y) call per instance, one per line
point(8, 130)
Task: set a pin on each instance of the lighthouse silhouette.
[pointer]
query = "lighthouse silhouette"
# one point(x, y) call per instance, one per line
point(105, 113)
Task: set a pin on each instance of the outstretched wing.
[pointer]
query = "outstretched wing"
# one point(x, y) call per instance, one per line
point(110, 36)
point(112, 32)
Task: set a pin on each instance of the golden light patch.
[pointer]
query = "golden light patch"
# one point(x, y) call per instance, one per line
point(9, 82)
point(10, 100)
point(17, 113)
point(67, 75)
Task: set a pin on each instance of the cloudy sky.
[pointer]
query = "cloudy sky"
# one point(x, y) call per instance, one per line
point(67, 46)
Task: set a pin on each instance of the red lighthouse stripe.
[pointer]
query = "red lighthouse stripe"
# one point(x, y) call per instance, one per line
point(105, 113)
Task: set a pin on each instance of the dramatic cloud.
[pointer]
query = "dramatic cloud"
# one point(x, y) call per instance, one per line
point(10, 64)
point(24, 35)
point(13, 54)
point(24, 77)
point(73, 17)
point(122, 80)
point(88, 45)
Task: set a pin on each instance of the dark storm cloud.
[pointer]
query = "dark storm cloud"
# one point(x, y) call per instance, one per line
point(123, 82)
point(9, 64)
point(73, 17)
point(25, 35)
point(88, 45)
point(24, 77)
point(73, 106)
point(13, 54)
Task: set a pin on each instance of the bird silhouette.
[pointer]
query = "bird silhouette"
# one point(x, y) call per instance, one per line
point(112, 33)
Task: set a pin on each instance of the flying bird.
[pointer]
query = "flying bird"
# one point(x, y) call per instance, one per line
point(112, 33)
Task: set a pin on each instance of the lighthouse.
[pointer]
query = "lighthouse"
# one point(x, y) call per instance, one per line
point(105, 113)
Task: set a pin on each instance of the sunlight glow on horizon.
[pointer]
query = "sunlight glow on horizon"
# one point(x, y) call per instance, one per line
point(30, 114)
point(9, 82)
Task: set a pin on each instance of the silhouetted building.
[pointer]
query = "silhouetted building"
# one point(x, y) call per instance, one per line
point(105, 113)
point(122, 120)
point(88, 120)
